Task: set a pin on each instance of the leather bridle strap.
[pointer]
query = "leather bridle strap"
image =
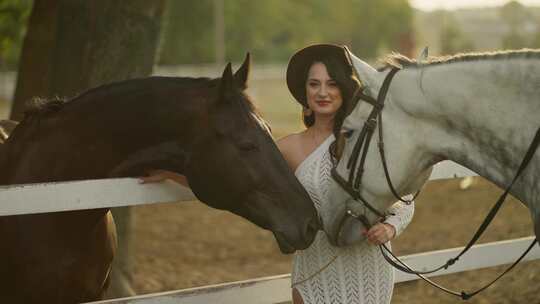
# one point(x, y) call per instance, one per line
point(526, 159)
point(352, 185)
point(399, 264)
point(385, 167)
point(381, 98)
point(374, 118)
point(354, 194)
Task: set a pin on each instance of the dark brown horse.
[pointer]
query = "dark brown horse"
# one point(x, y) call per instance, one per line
point(206, 129)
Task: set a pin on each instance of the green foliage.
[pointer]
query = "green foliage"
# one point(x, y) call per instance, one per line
point(536, 39)
point(187, 35)
point(273, 29)
point(514, 40)
point(452, 39)
point(270, 29)
point(516, 16)
point(13, 17)
point(381, 26)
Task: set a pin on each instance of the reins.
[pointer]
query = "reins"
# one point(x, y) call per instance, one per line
point(353, 184)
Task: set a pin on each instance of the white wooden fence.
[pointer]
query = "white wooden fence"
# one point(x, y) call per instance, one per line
point(277, 289)
point(91, 194)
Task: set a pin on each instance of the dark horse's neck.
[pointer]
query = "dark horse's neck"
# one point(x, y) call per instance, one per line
point(122, 129)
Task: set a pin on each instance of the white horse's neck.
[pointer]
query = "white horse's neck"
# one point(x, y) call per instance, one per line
point(481, 113)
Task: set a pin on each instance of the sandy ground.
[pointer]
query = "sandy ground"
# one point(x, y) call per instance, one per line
point(188, 244)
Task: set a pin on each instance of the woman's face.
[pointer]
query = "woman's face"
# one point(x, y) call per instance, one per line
point(322, 92)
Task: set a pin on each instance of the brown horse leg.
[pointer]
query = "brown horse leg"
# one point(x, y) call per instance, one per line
point(537, 228)
point(119, 285)
point(120, 281)
point(97, 264)
point(67, 256)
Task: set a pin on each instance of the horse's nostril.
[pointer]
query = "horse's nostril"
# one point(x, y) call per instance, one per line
point(317, 224)
point(312, 227)
point(320, 222)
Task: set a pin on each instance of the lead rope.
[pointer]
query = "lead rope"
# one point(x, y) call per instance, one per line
point(463, 295)
point(311, 276)
point(359, 217)
point(400, 265)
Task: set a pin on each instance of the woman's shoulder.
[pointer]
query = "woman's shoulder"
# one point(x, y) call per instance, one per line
point(291, 141)
point(291, 148)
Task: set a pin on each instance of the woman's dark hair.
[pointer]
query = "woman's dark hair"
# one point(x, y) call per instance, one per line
point(347, 83)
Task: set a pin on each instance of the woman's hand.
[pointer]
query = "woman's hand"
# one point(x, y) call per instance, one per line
point(156, 176)
point(380, 233)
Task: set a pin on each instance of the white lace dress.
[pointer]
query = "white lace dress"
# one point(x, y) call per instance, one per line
point(359, 274)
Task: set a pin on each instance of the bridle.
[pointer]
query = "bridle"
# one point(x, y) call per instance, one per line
point(353, 184)
point(356, 162)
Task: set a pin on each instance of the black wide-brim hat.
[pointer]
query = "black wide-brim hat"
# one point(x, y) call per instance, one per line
point(302, 60)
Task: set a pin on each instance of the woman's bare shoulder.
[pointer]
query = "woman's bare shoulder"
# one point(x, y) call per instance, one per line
point(290, 142)
point(291, 148)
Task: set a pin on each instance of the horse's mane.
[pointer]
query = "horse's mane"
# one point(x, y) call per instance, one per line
point(249, 108)
point(402, 61)
point(39, 106)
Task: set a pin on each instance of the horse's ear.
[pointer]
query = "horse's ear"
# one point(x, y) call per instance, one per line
point(423, 57)
point(368, 76)
point(226, 85)
point(242, 74)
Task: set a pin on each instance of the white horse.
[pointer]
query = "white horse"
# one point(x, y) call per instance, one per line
point(479, 110)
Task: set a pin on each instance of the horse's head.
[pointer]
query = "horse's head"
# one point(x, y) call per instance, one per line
point(407, 169)
point(237, 156)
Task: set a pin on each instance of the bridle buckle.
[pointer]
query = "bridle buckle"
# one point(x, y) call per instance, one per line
point(371, 124)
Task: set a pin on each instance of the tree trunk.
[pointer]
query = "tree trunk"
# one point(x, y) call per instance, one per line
point(74, 45)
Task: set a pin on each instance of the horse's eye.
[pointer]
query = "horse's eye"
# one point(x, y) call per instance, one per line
point(247, 146)
point(348, 133)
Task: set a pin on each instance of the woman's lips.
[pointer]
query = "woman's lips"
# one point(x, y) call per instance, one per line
point(323, 103)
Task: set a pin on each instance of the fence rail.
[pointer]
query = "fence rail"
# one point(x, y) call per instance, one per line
point(88, 194)
point(118, 192)
point(277, 289)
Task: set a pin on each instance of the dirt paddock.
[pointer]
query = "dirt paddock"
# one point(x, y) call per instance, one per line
point(188, 244)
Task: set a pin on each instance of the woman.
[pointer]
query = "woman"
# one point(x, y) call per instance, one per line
point(321, 79)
